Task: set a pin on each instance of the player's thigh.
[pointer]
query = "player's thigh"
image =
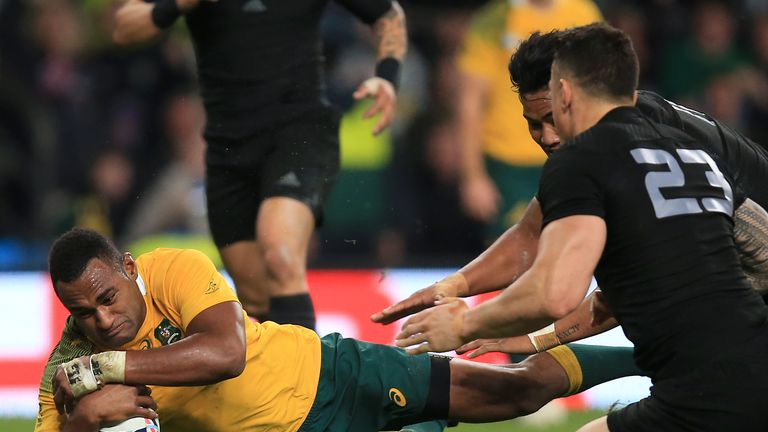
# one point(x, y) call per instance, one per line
point(232, 190)
point(304, 162)
point(365, 387)
point(285, 223)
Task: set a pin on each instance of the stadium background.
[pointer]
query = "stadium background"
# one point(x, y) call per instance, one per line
point(107, 137)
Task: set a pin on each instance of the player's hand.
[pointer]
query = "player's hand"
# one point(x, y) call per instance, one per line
point(385, 99)
point(600, 311)
point(437, 329)
point(480, 197)
point(453, 286)
point(63, 396)
point(117, 402)
point(512, 345)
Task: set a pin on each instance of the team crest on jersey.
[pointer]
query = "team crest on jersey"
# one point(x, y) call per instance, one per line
point(212, 287)
point(167, 333)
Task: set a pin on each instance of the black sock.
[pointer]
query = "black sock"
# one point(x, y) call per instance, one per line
point(292, 309)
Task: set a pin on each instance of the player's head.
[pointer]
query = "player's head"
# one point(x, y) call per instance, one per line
point(529, 71)
point(594, 66)
point(97, 284)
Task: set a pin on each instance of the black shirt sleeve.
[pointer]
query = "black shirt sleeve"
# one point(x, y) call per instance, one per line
point(367, 10)
point(569, 185)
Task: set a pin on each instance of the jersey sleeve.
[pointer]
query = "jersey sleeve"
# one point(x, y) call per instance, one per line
point(367, 10)
point(192, 284)
point(569, 186)
point(72, 344)
point(48, 419)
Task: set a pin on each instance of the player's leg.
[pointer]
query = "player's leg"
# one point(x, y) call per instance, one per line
point(233, 198)
point(243, 262)
point(284, 227)
point(295, 179)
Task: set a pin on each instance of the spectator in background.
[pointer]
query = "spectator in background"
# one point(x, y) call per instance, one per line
point(176, 199)
point(711, 51)
point(501, 164)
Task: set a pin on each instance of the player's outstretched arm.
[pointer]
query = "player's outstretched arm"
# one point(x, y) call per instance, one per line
point(391, 37)
point(212, 351)
point(496, 268)
point(590, 318)
point(751, 237)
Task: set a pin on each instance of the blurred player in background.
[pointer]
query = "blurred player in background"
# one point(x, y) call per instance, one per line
point(501, 166)
point(169, 319)
point(514, 251)
point(273, 146)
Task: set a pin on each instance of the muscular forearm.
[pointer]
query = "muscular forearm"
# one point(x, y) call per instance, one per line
point(133, 23)
point(198, 359)
point(751, 238)
point(508, 257)
point(390, 34)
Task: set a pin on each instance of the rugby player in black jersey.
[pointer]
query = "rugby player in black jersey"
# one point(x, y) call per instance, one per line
point(649, 208)
point(513, 253)
point(273, 146)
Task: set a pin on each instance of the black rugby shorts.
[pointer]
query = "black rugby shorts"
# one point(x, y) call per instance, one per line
point(297, 159)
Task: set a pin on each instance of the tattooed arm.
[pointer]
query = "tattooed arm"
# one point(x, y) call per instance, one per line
point(751, 237)
point(391, 44)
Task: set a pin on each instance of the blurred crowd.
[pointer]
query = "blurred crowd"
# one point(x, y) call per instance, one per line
point(108, 137)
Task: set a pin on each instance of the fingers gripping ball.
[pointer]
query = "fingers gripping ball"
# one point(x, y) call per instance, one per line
point(135, 424)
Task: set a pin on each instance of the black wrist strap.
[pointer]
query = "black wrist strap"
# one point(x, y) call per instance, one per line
point(389, 69)
point(165, 13)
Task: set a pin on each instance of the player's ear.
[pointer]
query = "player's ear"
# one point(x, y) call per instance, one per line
point(565, 101)
point(130, 266)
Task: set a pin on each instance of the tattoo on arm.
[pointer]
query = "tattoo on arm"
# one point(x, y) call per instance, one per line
point(568, 332)
point(390, 33)
point(751, 237)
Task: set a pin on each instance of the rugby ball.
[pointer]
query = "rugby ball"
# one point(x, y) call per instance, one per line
point(134, 424)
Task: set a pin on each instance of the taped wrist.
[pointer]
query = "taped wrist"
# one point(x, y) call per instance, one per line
point(81, 379)
point(389, 69)
point(165, 13)
point(545, 338)
point(459, 281)
point(109, 367)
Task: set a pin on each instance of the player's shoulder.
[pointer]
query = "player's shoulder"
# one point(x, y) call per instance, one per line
point(165, 257)
point(587, 9)
point(71, 345)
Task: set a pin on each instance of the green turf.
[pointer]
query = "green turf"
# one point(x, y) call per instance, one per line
point(573, 421)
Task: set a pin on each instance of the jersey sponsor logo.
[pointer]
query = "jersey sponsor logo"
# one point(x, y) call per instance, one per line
point(212, 287)
point(675, 178)
point(166, 333)
point(289, 179)
point(397, 397)
point(254, 6)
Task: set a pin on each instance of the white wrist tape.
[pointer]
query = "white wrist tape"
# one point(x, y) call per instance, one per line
point(81, 378)
point(109, 367)
point(544, 339)
point(373, 84)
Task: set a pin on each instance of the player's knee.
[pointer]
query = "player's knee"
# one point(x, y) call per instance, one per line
point(283, 264)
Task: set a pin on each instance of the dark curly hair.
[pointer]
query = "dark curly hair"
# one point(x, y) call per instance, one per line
point(71, 252)
point(530, 66)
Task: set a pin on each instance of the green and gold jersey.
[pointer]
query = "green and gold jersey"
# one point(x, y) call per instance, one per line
point(275, 391)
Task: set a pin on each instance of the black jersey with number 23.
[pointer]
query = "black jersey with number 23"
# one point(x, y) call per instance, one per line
point(669, 270)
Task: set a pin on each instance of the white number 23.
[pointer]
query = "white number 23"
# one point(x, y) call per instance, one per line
point(654, 181)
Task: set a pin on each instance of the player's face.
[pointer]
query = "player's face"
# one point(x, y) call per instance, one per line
point(537, 110)
point(105, 302)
